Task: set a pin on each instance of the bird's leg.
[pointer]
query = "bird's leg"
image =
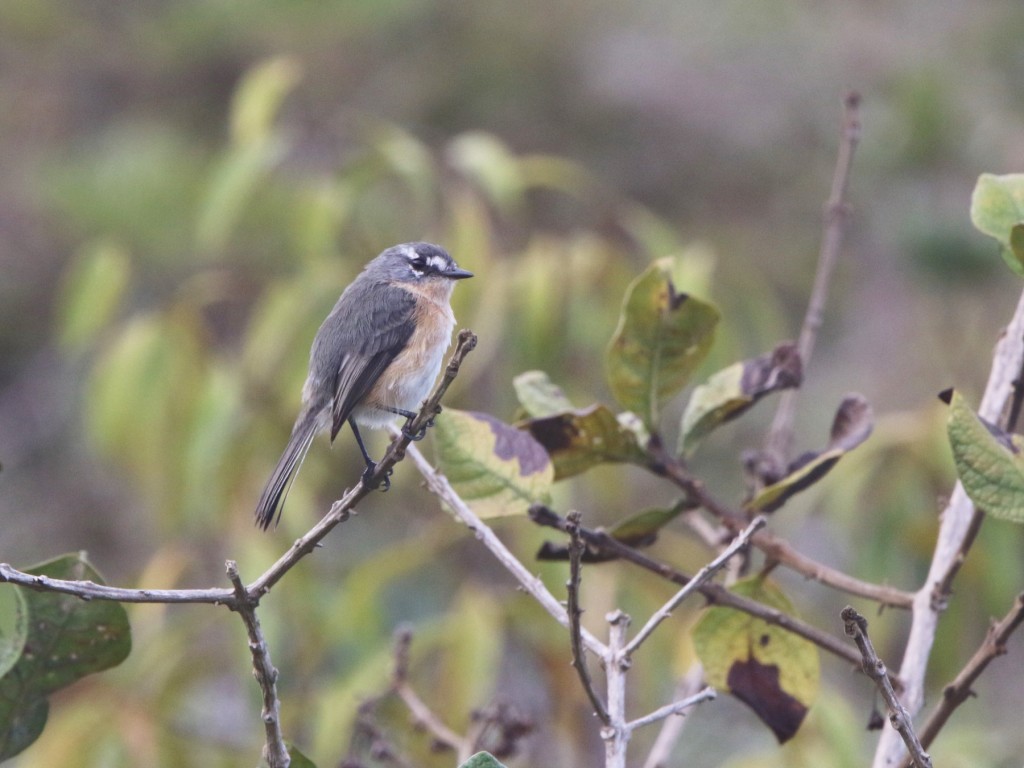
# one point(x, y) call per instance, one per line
point(371, 465)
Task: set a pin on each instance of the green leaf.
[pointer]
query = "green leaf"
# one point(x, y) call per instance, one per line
point(988, 461)
point(13, 626)
point(639, 530)
point(852, 424)
point(540, 396)
point(733, 390)
point(497, 469)
point(662, 336)
point(1017, 245)
point(580, 439)
point(299, 760)
point(91, 292)
point(482, 760)
point(997, 209)
point(68, 638)
point(772, 671)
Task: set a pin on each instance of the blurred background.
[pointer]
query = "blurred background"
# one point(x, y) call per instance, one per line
point(186, 187)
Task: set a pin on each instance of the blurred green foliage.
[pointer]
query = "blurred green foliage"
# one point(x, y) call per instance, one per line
point(207, 249)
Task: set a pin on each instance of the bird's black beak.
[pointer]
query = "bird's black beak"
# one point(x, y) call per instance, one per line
point(457, 274)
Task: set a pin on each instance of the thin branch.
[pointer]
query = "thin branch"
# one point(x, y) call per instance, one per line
point(89, 590)
point(958, 691)
point(856, 626)
point(668, 466)
point(837, 211)
point(782, 551)
point(713, 593)
point(339, 512)
point(953, 540)
point(274, 751)
point(341, 509)
point(438, 485)
point(616, 734)
point(699, 579)
point(672, 728)
point(421, 713)
point(579, 660)
point(675, 708)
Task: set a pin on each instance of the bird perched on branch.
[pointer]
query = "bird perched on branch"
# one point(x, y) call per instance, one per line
point(374, 358)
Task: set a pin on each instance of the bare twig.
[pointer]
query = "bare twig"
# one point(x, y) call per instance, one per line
point(958, 691)
point(274, 751)
point(672, 728)
point(713, 593)
point(438, 484)
point(952, 542)
point(579, 660)
point(782, 551)
point(780, 436)
point(857, 627)
point(615, 733)
point(675, 708)
point(668, 466)
point(89, 590)
point(421, 713)
point(699, 579)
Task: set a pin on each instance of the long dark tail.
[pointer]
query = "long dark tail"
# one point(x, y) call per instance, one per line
point(272, 499)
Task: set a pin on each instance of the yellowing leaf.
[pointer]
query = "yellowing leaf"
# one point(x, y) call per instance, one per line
point(662, 336)
point(497, 469)
point(988, 461)
point(851, 426)
point(580, 439)
point(772, 671)
point(733, 390)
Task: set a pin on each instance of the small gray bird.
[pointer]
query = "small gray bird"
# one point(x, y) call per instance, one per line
point(375, 357)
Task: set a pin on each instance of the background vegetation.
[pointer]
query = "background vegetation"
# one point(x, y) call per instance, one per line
point(187, 187)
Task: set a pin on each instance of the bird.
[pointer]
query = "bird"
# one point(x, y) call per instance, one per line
point(374, 358)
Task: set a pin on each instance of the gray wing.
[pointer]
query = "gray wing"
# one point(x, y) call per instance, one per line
point(369, 338)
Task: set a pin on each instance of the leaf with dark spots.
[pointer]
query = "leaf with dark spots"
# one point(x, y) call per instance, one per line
point(757, 686)
point(580, 439)
point(662, 336)
point(733, 390)
point(510, 444)
point(851, 426)
point(772, 671)
point(496, 468)
point(675, 300)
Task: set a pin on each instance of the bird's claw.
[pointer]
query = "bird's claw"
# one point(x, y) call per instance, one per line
point(418, 434)
point(384, 483)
